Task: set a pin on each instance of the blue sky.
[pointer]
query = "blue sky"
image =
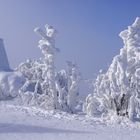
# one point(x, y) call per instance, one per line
point(87, 29)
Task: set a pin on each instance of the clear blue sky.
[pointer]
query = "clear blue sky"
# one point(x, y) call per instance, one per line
point(88, 29)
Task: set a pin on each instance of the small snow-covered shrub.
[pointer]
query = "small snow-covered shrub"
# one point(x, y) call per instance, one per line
point(118, 90)
point(36, 87)
point(10, 83)
point(67, 86)
point(37, 100)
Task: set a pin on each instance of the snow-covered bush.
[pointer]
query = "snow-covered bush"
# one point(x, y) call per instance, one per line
point(40, 74)
point(118, 90)
point(10, 83)
point(67, 85)
point(44, 87)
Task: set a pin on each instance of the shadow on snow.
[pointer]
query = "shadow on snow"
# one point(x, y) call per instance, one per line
point(21, 128)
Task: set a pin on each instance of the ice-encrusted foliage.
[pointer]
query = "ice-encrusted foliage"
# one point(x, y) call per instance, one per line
point(67, 85)
point(10, 83)
point(118, 90)
point(44, 87)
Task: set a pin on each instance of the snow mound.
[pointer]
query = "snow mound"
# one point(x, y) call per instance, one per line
point(10, 83)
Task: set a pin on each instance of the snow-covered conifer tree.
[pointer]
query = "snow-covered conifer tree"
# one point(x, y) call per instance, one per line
point(47, 46)
point(40, 74)
point(74, 78)
point(67, 84)
point(44, 87)
point(118, 90)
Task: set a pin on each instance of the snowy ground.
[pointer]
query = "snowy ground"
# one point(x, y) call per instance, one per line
point(22, 123)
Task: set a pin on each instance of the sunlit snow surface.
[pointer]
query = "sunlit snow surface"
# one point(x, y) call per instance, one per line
point(22, 123)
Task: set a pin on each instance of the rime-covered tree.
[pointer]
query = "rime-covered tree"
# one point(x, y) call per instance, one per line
point(39, 88)
point(74, 78)
point(47, 46)
point(118, 90)
point(67, 83)
point(44, 87)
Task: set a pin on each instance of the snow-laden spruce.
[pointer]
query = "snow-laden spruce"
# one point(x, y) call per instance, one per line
point(44, 87)
point(118, 90)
